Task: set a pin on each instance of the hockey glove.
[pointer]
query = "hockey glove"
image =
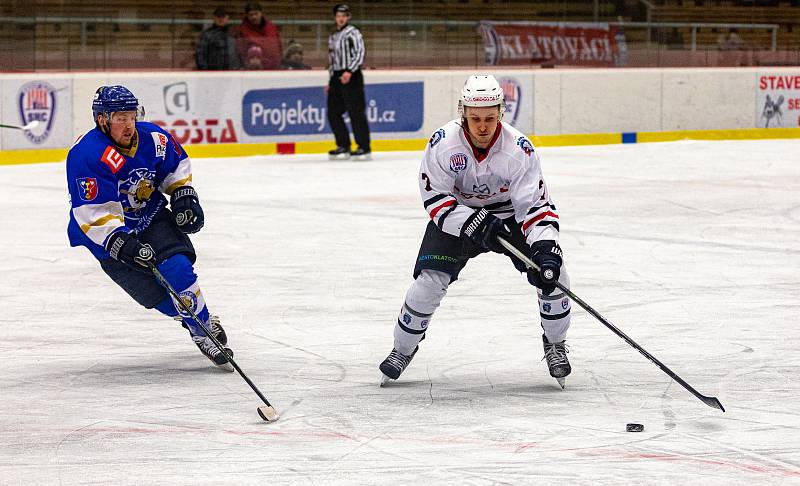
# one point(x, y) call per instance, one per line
point(186, 209)
point(483, 228)
point(546, 254)
point(126, 248)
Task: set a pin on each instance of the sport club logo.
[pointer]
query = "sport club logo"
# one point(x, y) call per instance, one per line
point(160, 143)
point(512, 91)
point(525, 145)
point(37, 102)
point(437, 137)
point(458, 162)
point(772, 109)
point(87, 188)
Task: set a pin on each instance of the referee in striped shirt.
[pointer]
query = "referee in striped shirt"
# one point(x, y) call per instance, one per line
point(346, 87)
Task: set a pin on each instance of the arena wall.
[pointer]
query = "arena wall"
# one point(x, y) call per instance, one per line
point(252, 113)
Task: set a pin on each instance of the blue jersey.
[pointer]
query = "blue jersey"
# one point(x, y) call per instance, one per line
point(113, 189)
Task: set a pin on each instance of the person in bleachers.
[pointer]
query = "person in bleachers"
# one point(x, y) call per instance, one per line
point(257, 31)
point(294, 57)
point(216, 47)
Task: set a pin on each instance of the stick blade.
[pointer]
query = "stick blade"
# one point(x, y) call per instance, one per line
point(713, 402)
point(268, 413)
point(30, 125)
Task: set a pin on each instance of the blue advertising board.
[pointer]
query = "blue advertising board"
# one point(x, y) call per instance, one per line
point(391, 107)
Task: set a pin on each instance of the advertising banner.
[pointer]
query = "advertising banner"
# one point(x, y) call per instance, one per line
point(47, 102)
point(194, 110)
point(564, 43)
point(391, 107)
point(778, 101)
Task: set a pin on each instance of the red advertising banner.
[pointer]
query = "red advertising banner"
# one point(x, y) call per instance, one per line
point(563, 43)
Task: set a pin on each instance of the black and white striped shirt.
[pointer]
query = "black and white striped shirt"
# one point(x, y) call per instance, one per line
point(345, 50)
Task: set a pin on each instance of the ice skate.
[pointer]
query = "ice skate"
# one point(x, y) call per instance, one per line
point(210, 350)
point(557, 362)
point(339, 153)
point(394, 365)
point(361, 154)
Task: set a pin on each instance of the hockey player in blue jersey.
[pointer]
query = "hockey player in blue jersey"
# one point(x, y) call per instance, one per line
point(120, 175)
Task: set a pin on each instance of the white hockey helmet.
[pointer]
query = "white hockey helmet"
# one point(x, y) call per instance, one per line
point(481, 90)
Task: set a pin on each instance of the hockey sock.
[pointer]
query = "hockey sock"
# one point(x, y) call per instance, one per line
point(554, 309)
point(178, 271)
point(422, 300)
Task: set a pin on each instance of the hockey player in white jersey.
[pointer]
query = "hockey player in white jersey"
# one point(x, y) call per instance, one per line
point(481, 178)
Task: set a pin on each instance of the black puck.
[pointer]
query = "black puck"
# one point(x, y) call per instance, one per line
point(634, 427)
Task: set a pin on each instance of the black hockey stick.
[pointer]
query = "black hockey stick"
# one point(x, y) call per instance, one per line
point(266, 412)
point(710, 401)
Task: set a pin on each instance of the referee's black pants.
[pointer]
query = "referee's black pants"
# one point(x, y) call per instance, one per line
point(348, 98)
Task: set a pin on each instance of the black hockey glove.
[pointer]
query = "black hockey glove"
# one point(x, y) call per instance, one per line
point(546, 254)
point(483, 228)
point(126, 248)
point(186, 209)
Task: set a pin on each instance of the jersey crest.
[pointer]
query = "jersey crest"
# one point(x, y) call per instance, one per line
point(87, 188)
point(458, 162)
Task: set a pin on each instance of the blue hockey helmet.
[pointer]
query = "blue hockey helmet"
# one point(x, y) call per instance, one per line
point(110, 99)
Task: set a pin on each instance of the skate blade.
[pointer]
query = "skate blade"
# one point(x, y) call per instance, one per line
point(362, 158)
point(268, 413)
point(225, 366)
point(562, 382)
point(339, 157)
point(384, 380)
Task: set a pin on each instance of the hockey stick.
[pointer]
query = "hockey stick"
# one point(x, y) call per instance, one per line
point(710, 401)
point(30, 125)
point(266, 412)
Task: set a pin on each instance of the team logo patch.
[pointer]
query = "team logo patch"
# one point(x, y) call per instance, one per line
point(437, 137)
point(458, 162)
point(113, 159)
point(525, 145)
point(565, 303)
point(512, 92)
point(37, 102)
point(546, 307)
point(424, 324)
point(189, 298)
point(160, 143)
point(87, 188)
point(407, 318)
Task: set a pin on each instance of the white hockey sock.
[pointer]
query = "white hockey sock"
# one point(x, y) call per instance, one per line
point(554, 309)
point(422, 300)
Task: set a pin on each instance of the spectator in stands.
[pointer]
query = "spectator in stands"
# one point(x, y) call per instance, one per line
point(216, 48)
point(674, 39)
point(252, 59)
point(257, 31)
point(294, 57)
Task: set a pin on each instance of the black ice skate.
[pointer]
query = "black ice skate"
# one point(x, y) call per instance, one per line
point(216, 329)
point(556, 356)
point(361, 154)
point(339, 153)
point(210, 350)
point(395, 364)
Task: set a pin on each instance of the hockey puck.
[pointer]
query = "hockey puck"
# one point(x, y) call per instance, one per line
point(634, 427)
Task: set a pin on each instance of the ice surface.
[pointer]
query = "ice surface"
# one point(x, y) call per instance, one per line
point(692, 248)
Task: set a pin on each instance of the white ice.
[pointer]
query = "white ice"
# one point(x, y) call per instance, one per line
point(692, 248)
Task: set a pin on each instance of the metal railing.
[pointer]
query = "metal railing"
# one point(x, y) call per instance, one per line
point(91, 43)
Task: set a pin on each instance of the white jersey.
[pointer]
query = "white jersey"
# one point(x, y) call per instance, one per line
point(506, 179)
